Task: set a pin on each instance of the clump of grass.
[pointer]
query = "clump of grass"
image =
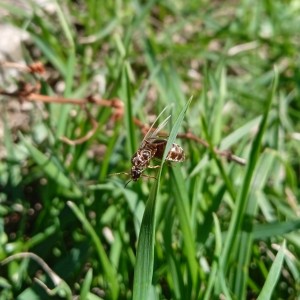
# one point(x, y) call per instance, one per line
point(207, 228)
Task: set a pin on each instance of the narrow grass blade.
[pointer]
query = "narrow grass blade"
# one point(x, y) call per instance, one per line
point(49, 53)
point(62, 119)
point(235, 136)
point(176, 279)
point(126, 94)
point(218, 162)
point(145, 251)
point(245, 239)
point(218, 109)
point(239, 210)
point(86, 284)
point(264, 231)
point(109, 270)
point(273, 275)
point(65, 25)
point(50, 168)
point(218, 249)
point(181, 200)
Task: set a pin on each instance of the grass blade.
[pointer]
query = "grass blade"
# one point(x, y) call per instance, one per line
point(264, 231)
point(109, 270)
point(126, 94)
point(86, 284)
point(218, 249)
point(241, 202)
point(145, 251)
point(181, 201)
point(273, 275)
point(238, 213)
point(246, 237)
point(51, 169)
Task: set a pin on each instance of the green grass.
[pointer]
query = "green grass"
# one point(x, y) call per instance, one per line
point(207, 228)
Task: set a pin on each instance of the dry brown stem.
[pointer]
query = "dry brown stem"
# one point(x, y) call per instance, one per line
point(28, 92)
point(225, 153)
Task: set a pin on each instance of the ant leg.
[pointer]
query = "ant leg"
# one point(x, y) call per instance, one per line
point(114, 174)
point(147, 176)
point(154, 167)
point(169, 162)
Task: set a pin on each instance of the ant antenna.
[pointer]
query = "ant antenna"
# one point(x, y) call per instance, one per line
point(147, 176)
point(127, 183)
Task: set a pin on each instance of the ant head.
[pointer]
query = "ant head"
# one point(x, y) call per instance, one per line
point(135, 173)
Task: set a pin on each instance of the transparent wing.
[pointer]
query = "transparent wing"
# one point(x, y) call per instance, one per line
point(153, 134)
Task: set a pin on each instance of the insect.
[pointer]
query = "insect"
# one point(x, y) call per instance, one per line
point(152, 147)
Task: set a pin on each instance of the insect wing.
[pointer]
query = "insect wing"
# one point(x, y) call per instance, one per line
point(149, 131)
point(150, 134)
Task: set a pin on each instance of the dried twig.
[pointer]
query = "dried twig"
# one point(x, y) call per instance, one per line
point(225, 153)
point(57, 281)
point(28, 92)
point(54, 277)
point(36, 67)
point(88, 135)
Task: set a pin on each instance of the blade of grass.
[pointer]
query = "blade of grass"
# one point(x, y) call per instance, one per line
point(238, 214)
point(51, 169)
point(65, 109)
point(47, 50)
point(126, 94)
point(109, 270)
point(152, 63)
point(139, 17)
point(181, 201)
point(176, 279)
point(218, 109)
point(218, 161)
point(238, 134)
point(86, 284)
point(70, 71)
point(246, 237)
point(145, 251)
point(108, 152)
point(273, 275)
point(213, 273)
point(65, 25)
point(15, 10)
point(13, 172)
point(264, 231)
point(40, 237)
